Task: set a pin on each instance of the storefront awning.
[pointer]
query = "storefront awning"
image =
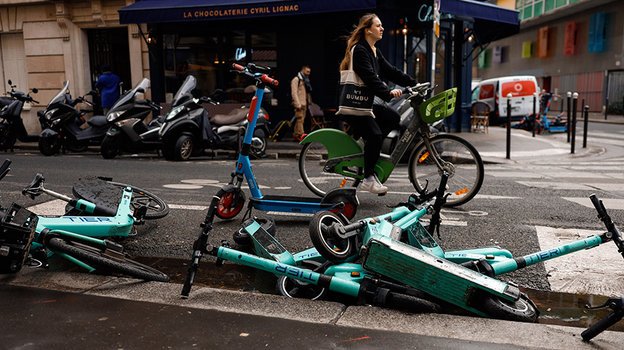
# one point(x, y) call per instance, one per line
point(491, 22)
point(159, 11)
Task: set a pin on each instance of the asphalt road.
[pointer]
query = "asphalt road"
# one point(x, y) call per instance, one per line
point(515, 198)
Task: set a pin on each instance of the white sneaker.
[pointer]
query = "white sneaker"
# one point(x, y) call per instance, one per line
point(373, 186)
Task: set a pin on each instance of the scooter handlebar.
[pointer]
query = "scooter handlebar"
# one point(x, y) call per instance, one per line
point(266, 79)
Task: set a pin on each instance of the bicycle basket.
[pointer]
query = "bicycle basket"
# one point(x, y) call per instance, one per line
point(17, 229)
point(439, 106)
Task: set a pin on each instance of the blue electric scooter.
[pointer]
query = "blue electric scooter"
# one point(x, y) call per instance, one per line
point(231, 196)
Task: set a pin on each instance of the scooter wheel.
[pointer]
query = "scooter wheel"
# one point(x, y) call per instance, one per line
point(231, 202)
point(522, 310)
point(330, 246)
point(294, 288)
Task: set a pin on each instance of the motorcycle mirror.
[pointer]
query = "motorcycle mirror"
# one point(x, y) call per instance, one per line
point(10, 82)
point(35, 90)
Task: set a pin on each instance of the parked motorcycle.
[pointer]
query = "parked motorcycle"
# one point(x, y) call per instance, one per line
point(187, 130)
point(63, 126)
point(11, 123)
point(127, 131)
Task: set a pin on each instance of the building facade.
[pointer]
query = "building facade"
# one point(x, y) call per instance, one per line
point(44, 43)
point(569, 45)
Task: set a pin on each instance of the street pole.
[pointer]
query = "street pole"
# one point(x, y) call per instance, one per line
point(585, 122)
point(568, 131)
point(534, 115)
point(573, 126)
point(435, 34)
point(508, 126)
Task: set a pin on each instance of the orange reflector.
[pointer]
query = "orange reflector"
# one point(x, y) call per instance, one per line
point(424, 156)
point(355, 274)
point(240, 166)
point(465, 190)
point(343, 183)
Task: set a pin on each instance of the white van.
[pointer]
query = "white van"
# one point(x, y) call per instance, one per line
point(494, 93)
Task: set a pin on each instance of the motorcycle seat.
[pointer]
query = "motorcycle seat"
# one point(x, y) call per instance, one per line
point(97, 121)
point(233, 117)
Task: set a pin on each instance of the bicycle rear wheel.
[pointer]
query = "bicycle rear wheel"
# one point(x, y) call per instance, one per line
point(457, 157)
point(103, 261)
point(311, 163)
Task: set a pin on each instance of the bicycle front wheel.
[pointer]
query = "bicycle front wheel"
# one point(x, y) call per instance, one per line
point(156, 207)
point(457, 157)
point(101, 261)
point(311, 167)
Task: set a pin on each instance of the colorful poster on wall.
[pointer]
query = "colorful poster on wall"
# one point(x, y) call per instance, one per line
point(527, 49)
point(569, 39)
point(597, 32)
point(542, 42)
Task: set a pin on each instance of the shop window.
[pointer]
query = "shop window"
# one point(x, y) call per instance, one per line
point(549, 5)
point(597, 32)
point(559, 3)
point(208, 58)
point(569, 40)
point(527, 49)
point(538, 8)
point(497, 54)
point(542, 42)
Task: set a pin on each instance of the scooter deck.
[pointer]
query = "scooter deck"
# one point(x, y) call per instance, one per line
point(433, 275)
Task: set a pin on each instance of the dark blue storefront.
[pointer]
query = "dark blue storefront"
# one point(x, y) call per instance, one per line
point(202, 37)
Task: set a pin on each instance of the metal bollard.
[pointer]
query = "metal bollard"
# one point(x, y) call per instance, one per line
point(606, 107)
point(508, 126)
point(534, 116)
point(585, 122)
point(573, 125)
point(568, 131)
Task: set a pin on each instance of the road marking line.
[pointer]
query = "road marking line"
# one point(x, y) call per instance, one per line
point(609, 203)
point(183, 186)
point(592, 271)
point(51, 208)
point(188, 207)
point(555, 185)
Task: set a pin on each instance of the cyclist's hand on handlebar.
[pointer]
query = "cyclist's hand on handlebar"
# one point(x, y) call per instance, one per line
point(396, 93)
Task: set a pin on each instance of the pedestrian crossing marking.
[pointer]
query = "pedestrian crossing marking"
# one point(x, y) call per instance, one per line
point(592, 271)
point(610, 203)
point(555, 185)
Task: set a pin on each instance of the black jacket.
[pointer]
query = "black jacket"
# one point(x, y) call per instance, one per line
point(372, 69)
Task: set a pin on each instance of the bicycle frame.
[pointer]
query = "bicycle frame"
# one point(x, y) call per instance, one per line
point(345, 153)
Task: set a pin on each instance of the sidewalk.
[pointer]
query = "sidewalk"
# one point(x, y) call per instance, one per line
point(130, 314)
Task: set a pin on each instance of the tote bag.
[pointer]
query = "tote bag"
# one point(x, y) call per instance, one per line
point(353, 98)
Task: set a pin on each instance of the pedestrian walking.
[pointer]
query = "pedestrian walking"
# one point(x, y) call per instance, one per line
point(108, 84)
point(301, 92)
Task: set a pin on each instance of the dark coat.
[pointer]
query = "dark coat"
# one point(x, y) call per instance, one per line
point(372, 69)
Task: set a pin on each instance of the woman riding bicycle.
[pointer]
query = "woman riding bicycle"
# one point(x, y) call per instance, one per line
point(371, 67)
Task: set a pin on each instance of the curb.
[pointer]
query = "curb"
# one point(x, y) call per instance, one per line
point(531, 335)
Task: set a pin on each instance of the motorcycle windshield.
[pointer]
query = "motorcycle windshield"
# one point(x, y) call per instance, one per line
point(61, 94)
point(129, 95)
point(185, 90)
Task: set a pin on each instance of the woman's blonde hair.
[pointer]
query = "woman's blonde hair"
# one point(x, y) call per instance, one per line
point(356, 35)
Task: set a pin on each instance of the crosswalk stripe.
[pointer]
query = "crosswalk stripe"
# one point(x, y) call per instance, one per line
point(609, 203)
point(555, 185)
